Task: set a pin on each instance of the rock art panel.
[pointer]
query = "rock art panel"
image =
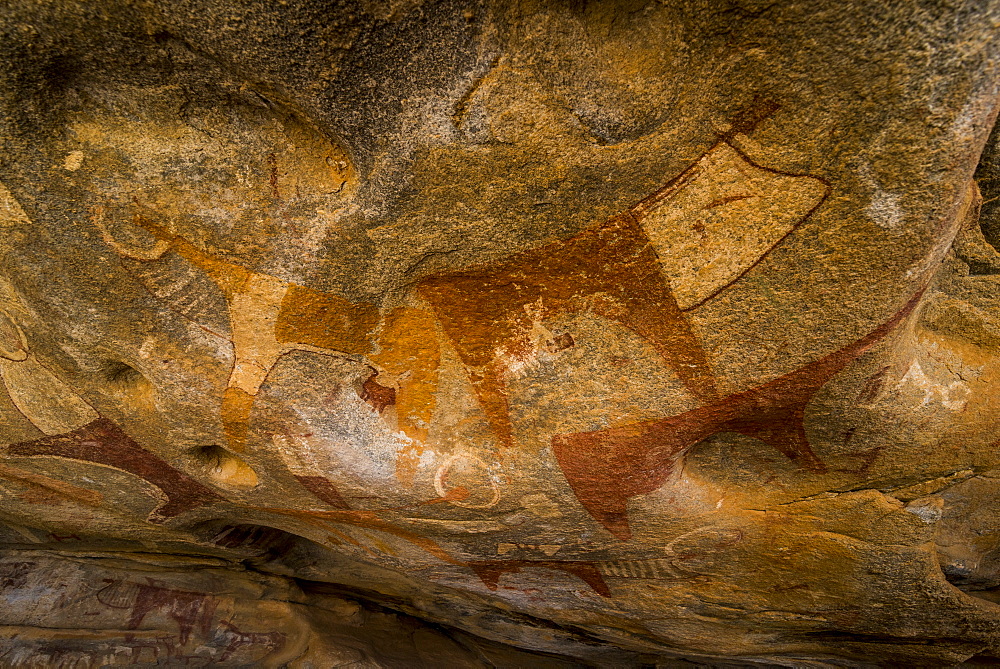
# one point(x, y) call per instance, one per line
point(187, 609)
point(491, 572)
point(673, 251)
point(624, 332)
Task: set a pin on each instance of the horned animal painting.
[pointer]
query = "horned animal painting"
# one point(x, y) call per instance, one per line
point(643, 268)
point(269, 317)
point(608, 467)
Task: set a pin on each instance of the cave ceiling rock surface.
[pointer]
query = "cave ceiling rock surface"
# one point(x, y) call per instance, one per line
point(536, 333)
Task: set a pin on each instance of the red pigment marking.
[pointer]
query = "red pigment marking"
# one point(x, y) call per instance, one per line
point(560, 343)
point(747, 119)
point(379, 396)
point(491, 571)
point(322, 488)
point(102, 442)
point(606, 468)
point(726, 200)
point(187, 609)
point(64, 537)
point(866, 460)
point(238, 639)
point(272, 161)
point(873, 386)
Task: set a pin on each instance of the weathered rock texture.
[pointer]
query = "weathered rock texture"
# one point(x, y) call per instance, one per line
point(537, 333)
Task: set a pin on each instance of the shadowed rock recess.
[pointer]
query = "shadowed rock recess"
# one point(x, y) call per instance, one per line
point(499, 333)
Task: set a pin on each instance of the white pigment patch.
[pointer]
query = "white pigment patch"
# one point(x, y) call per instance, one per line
point(884, 209)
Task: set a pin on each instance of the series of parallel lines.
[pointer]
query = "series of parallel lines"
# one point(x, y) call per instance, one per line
point(186, 292)
point(657, 568)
